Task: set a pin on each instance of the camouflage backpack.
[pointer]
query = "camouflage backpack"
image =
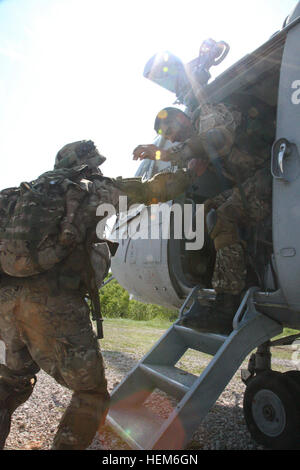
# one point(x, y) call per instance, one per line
point(36, 221)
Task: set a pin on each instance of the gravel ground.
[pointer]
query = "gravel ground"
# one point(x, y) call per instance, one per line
point(34, 423)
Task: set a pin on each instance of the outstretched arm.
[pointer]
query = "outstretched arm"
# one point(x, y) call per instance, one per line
point(162, 187)
point(180, 153)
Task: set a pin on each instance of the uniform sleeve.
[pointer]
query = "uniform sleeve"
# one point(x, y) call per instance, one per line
point(164, 187)
point(215, 127)
point(161, 188)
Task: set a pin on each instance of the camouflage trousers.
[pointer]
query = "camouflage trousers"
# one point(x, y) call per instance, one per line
point(238, 207)
point(51, 330)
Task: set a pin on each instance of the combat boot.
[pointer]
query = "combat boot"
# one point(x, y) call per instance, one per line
point(5, 420)
point(214, 318)
point(13, 393)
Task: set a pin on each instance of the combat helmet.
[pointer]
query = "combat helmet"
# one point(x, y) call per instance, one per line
point(79, 153)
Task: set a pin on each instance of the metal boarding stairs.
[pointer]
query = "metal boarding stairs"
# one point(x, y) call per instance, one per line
point(134, 420)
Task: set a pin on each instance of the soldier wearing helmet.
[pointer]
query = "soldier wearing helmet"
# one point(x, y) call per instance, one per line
point(236, 145)
point(45, 318)
point(78, 153)
point(44, 315)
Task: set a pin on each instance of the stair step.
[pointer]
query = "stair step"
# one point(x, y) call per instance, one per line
point(132, 416)
point(172, 380)
point(208, 343)
point(136, 424)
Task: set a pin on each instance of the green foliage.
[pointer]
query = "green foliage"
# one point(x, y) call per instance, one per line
point(114, 300)
point(115, 303)
point(139, 311)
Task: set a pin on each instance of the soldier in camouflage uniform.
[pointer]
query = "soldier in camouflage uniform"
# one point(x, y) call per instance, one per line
point(45, 320)
point(240, 143)
point(44, 316)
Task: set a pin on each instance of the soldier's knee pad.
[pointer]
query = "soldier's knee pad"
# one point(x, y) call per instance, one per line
point(222, 233)
point(211, 221)
point(215, 226)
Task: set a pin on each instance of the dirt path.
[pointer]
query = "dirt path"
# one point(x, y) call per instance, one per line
point(34, 423)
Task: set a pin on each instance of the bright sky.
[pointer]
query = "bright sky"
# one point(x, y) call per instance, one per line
point(73, 69)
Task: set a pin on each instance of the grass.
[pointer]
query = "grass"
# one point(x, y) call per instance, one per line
point(136, 338)
point(131, 336)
